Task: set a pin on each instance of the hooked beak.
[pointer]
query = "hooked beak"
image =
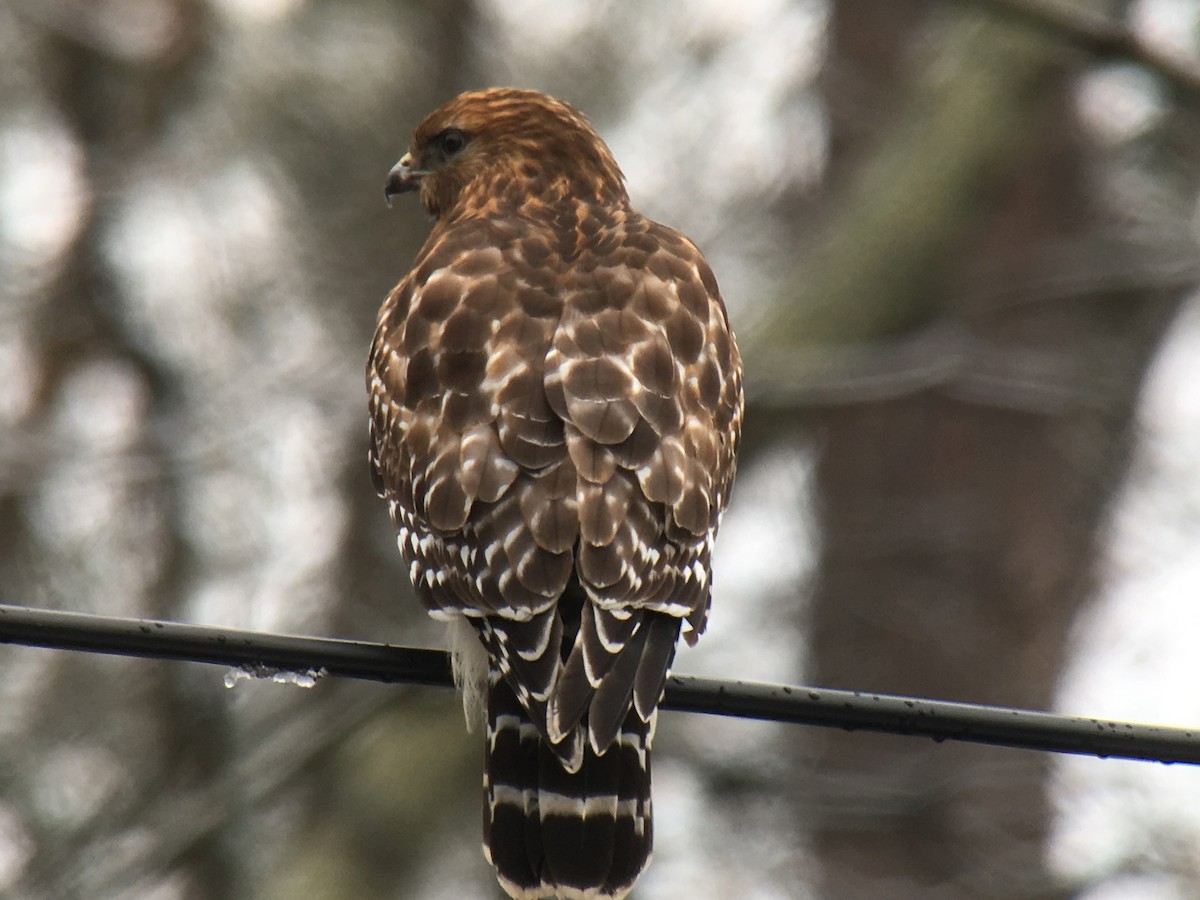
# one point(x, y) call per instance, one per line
point(402, 178)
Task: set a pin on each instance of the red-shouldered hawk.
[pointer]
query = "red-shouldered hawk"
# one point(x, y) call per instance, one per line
point(556, 400)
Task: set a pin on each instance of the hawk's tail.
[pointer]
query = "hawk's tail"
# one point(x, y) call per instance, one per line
point(551, 833)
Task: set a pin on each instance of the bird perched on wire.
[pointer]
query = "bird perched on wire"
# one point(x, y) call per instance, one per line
point(556, 401)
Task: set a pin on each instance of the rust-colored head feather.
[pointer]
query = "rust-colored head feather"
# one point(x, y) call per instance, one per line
point(484, 148)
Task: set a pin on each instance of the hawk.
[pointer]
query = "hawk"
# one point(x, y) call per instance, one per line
point(556, 401)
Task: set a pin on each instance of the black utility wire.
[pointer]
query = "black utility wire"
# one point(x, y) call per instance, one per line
point(264, 654)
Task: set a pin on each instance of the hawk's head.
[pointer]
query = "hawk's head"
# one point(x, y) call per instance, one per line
point(485, 147)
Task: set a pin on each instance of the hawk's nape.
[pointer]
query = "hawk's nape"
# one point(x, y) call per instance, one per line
point(556, 400)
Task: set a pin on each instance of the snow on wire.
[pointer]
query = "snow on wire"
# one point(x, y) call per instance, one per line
point(304, 659)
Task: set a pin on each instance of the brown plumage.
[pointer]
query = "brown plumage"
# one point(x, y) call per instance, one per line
point(556, 401)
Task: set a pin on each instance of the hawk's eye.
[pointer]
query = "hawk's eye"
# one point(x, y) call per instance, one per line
point(451, 141)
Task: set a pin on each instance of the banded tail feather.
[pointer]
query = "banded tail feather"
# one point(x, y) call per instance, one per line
point(552, 833)
point(567, 768)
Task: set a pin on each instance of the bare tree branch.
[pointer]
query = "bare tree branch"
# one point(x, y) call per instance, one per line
point(1101, 35)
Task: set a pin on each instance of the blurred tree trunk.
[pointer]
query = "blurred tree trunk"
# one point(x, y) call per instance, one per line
point(961, 484)
point(114, 98)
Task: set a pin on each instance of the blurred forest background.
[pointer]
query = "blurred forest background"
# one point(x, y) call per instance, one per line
point(959, 251)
